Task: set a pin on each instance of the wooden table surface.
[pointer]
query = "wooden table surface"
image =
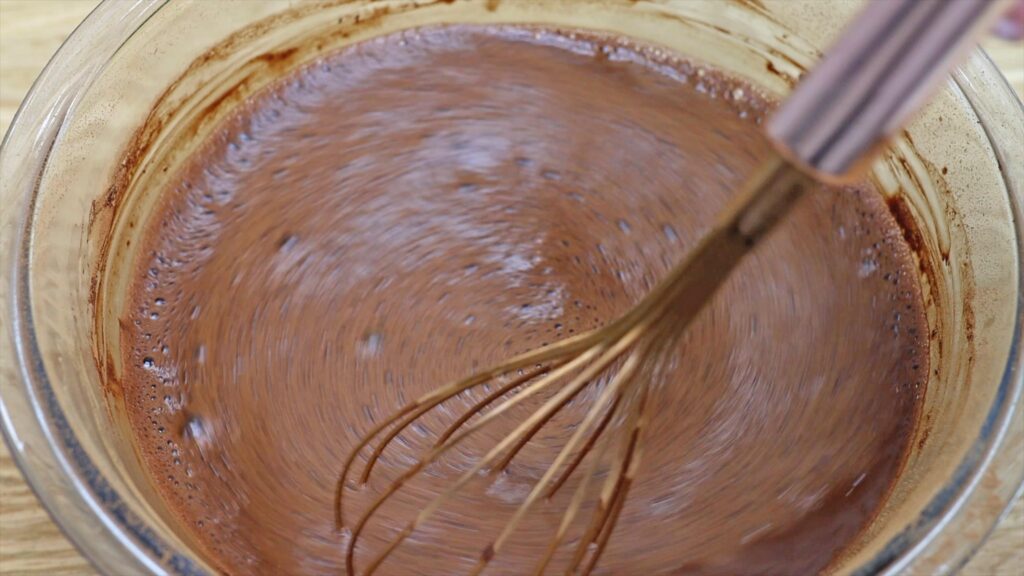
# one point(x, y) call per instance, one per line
point(30, 543)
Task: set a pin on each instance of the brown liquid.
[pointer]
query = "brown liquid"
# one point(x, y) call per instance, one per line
point(423, 205)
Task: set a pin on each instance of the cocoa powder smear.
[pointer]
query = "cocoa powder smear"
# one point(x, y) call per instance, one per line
point(426, 204)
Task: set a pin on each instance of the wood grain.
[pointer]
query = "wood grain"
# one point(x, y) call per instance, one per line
point(30, 543)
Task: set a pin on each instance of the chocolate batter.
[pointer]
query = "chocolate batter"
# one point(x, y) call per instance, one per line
point(425, 204)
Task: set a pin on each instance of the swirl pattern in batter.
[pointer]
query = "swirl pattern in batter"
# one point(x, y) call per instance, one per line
point(420, 205)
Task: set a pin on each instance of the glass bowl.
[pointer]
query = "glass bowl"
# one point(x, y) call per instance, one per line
point(138, 84)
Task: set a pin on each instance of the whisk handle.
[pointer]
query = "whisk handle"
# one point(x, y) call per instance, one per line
point(887, 61)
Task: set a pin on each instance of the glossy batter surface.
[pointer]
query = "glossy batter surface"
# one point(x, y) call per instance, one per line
point(430, 203)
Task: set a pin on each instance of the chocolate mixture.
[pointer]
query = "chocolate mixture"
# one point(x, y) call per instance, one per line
point(426, 204)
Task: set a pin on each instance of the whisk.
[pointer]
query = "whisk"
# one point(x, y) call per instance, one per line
point(864, 89)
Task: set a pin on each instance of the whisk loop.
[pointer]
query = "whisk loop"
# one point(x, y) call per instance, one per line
point(565, 369)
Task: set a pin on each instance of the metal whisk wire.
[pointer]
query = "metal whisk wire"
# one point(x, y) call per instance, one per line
point(563, 370)
point(586, 363)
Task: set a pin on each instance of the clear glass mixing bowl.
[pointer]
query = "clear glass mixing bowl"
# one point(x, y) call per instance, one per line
point(138, 84)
